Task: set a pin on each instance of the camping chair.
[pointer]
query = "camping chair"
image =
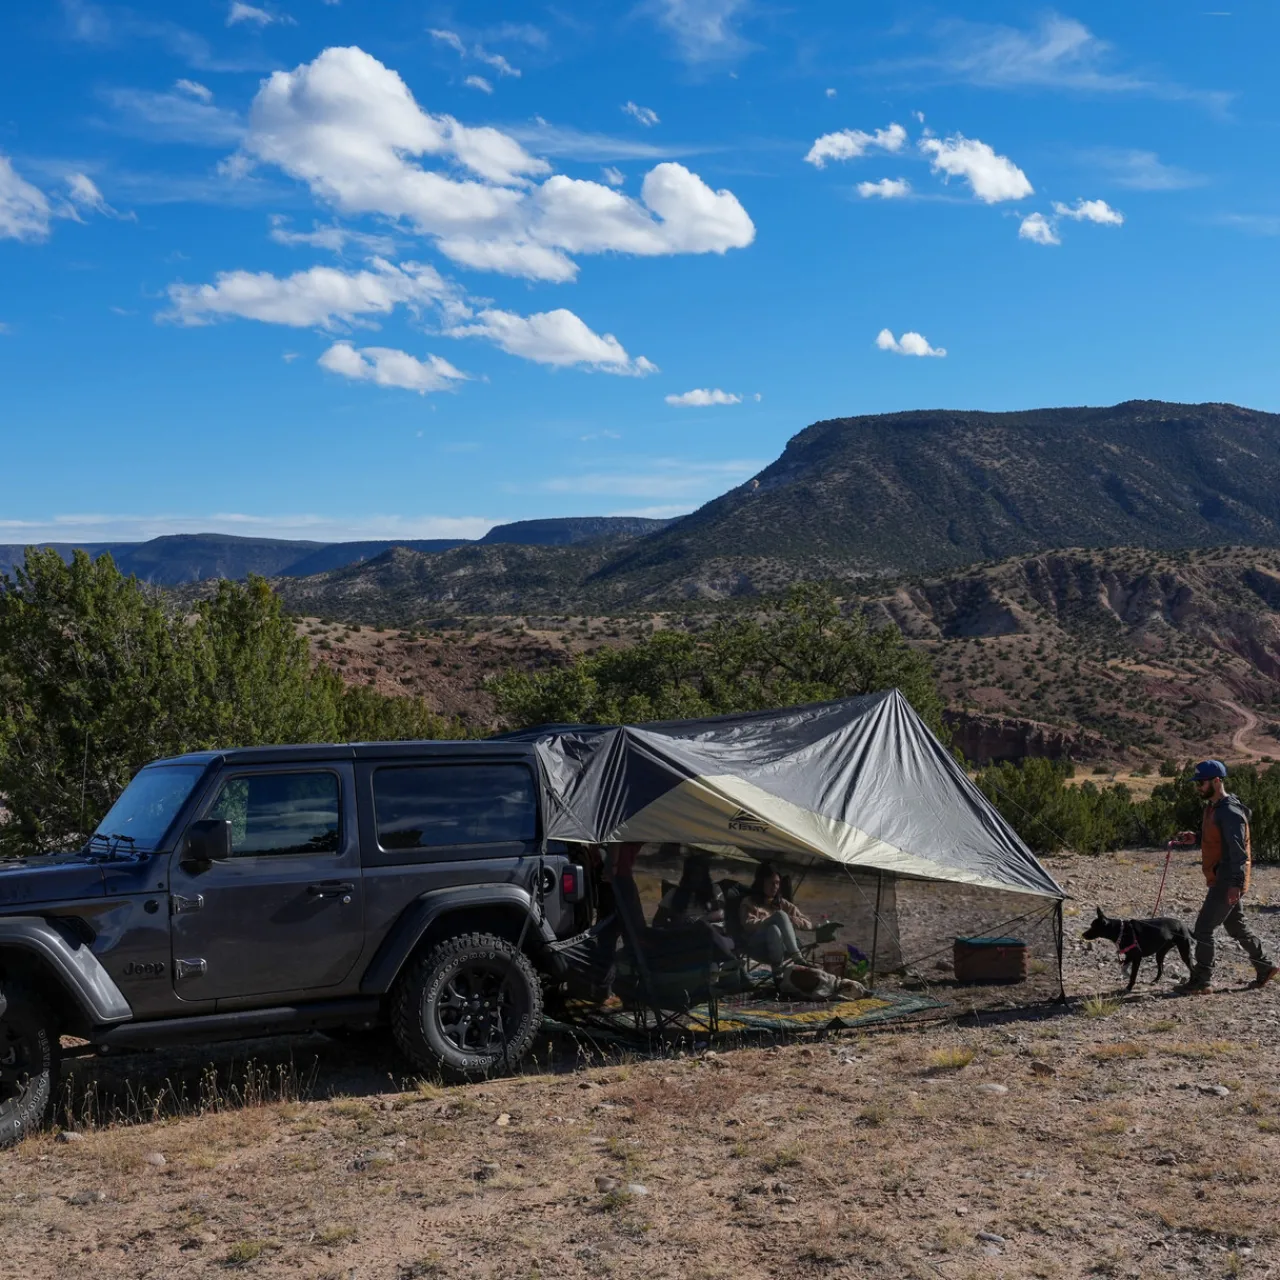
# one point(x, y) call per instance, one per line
point(757, 976)
point(667, 970)
point(752, 975)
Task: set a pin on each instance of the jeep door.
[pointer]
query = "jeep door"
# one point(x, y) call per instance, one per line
point(283, 914)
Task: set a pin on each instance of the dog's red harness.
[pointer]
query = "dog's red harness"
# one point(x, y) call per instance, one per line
point(1122, 952)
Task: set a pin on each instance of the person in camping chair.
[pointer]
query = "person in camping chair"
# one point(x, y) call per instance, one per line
point(769, 921)
point(696, 898)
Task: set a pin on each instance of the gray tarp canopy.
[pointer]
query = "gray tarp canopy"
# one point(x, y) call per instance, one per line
point(861, 781)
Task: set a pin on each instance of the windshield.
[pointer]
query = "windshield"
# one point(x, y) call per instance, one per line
point(148, 805)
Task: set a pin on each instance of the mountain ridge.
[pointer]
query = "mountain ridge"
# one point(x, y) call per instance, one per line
point(178, 559)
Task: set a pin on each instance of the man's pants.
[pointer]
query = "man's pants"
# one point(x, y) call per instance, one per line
point(774, 941)
point(1218, 912)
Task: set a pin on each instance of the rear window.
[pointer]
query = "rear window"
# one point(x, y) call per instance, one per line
point(427, 806)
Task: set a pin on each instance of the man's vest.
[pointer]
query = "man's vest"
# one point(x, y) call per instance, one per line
point(1211, 848)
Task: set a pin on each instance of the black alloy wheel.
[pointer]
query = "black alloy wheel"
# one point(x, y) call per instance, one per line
point(468, 1008)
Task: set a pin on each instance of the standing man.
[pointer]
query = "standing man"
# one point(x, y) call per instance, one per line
point(1227, 857)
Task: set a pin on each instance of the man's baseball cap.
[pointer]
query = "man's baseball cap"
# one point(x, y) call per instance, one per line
point(1207, 769)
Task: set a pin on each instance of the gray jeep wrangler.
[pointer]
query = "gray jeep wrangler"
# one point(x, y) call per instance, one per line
point(274, 890)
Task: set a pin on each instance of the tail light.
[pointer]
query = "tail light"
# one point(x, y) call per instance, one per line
point(572, 884)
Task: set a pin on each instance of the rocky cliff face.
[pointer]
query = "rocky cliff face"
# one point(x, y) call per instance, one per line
point(992, 739)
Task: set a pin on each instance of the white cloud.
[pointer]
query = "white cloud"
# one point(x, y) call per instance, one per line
point(579, 144)
point(321, 297)
point(1038, 229)
point(451, 38)
point(831, 93)
point(523, 258)
point(992, 178)
point(703, 30)
point(1061, 53)
point(388, 367)
point(910, 344)
point(677, 213)
point(349, 127)
point(614, 177)
point(700, 398)
point(241, 12)
point(850, 144)
point(478, 82)
point(496, 61)
point(194, 89)
point(334, 238)
point(647, 116)
point(178, 116)
point(84, 195)
point(1090, 211)
point(1142, 170)
point(25, 211)
point(557, 338)
point(110, 527)
point(885, 189)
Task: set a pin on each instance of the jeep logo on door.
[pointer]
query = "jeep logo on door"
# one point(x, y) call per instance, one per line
point(745, 820)
point(143, 969)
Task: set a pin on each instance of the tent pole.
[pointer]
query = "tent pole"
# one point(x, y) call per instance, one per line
point(875, 930)
point(1059, 941)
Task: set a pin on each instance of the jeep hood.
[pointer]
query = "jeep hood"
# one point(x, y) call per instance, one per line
point(54, 877)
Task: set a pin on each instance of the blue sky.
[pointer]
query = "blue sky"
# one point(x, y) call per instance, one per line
point(328, 270)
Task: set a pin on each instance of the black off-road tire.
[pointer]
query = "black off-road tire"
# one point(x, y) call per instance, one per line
point(469, 1008)
point(29, 1062)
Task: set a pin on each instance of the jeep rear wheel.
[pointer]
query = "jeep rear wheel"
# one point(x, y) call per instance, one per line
point(28, 1064)
point(469, 1008)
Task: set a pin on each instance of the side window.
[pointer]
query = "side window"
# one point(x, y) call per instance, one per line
point(424, 806)
point(274, 813)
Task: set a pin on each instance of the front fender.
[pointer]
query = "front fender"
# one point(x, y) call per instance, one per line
point(69, 960)
point(417, 919)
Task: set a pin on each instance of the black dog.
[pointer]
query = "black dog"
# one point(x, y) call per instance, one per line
point(1137, 939)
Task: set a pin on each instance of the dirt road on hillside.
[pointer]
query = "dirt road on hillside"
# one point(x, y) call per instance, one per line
point(1240, 739)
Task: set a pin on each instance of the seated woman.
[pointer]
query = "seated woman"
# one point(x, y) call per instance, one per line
point(694, 899)
point(769, 923)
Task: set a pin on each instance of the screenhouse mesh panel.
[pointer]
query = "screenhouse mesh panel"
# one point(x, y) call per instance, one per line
point(907, 929)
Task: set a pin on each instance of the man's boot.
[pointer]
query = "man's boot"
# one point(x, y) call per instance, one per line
point(1265, 974)
point(1196, 985)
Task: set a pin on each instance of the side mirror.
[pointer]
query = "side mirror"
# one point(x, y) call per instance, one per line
point(207, 841)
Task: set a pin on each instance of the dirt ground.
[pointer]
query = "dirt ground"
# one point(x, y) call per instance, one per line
point(1111, 1137)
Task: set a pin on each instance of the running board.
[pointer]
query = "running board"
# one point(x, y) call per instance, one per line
point(239, 1025)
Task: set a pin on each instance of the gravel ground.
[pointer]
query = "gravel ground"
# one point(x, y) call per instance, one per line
point(1111, 1137)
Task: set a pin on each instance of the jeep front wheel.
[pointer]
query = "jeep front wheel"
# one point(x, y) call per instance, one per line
point(468, 1008)
point(28, 1064)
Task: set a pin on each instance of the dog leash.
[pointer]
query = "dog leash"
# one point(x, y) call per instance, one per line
point(1163, 877)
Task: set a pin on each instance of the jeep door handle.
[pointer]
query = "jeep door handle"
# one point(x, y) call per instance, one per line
point(332, 889)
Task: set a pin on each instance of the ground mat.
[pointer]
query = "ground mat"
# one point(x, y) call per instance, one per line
point(777, 1017)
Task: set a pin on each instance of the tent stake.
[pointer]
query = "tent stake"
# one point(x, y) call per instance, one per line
point(875, 929)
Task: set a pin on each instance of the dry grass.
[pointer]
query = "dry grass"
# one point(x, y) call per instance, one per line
point(1118, 1051)
point(754, 1163)
point(1099, 1006)
point(950, 1059)
point(1198, 1049)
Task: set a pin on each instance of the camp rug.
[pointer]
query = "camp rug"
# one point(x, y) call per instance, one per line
point(778, 1017)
